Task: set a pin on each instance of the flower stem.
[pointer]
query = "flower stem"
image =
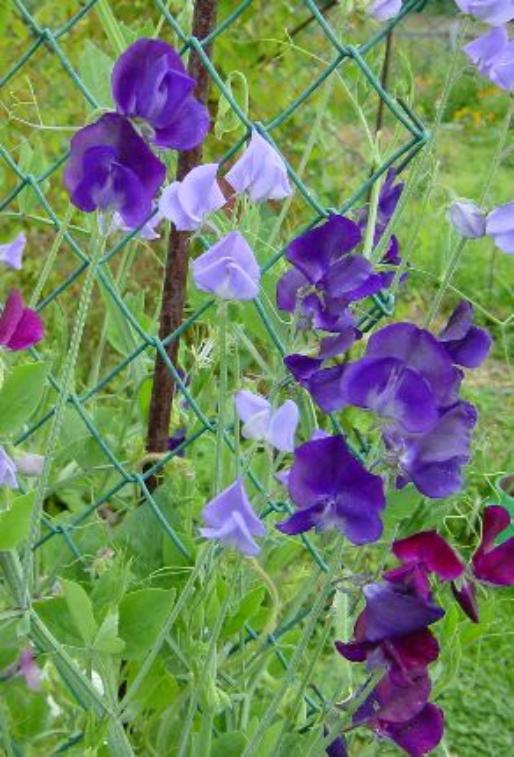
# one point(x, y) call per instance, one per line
point(110, 26)
point(222, 396)
point(273, 593)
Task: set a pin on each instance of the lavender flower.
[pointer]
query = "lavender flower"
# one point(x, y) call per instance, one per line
point(230, 518)
point(276, 427)
point(187, 202)
point(111, 168)
point(7, 470)
point(468, 219)
point(228, 269)
point(331, 489)
point(29, 669)
point(260, 171)
point(466, 344)
point(11, 252)
point(20, 327)
point(500, 226)
point(493, 55)
point(30, 464)
point(382, 10)
point(494, 12)
point(150, 82)
point(148, 231)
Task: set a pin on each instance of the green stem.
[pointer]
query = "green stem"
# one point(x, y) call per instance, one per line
point(50, 258)
point(273, 593)
point(110, 26)
point(450, 270)
point(369, 237)
point(60, 410)
point(222, 396)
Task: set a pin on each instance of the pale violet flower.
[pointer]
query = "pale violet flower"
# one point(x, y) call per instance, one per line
point(148, 231)
point(228, 269)
point(494, 12)
point(29, 669)
point(493, 55)
point(500, 226)
point(468, 219)
point(11, 253)
point(382, 10)
point(261, 421)
point(260, 172)
point(7, 470)
point(230, 518)
point(30, 464)
point(186, 203)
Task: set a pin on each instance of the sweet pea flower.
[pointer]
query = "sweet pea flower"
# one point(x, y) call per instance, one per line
point(187, 202)
point(7, 470)
point(260, 171)
point(11, 253)
point(230, 518)
point(150, 82)
point(331, 489)
point(111, 168)
point(500, 226)
point(493, 12)
point(20, 327)
point(382, 10)
point(30, 464)
point(467, 345)
point(228, 269)
point(417, 736)
point(261, 421)
point(493, 55)
point(148, 231)
point(29, 669)
point(468, 219)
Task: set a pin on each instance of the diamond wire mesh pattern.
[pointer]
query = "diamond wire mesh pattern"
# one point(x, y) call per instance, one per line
point(49, 41)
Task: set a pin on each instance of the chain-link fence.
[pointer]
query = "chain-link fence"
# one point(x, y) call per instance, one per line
point(32, 193)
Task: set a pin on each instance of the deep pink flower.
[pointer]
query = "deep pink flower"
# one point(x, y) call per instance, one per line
point(20, 327)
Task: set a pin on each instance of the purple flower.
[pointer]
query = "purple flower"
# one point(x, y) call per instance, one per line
point(429, 551)
point(29, 669)
point(148, 231)
point(302, 367)
point(20, 327)
point(500, 226)
point(176, 439)
point(495, 564)
point(466, 344)
point(150, 82)
point(331, 489)
point(187, 202)
point(493, 55)
point(7, 470)
point(337, 748)
point(260, 171)
point(11, 252)
point(30, 464)
point(230, 518)
point(111, 168)
point(468, 219)
point(393, 610)
point(494, 12)
point(261, 421)
point(228, 269)
point(417, 736)
point(382, 10)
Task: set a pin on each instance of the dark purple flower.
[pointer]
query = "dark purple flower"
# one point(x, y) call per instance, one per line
point(332, 489)
point(176, 440)
point(465, 593)
point(11, 253)
point(396, 699)
point(20, 327)
point(230, 518)
point(467, 345)
point(302, 367)
point(418, 736)
point(388, 199)
point(149, 81)
point(433, 553)
point(335, 345)
point(352, 278)
point(495, 564)
point(337, 748)
point(111, 168)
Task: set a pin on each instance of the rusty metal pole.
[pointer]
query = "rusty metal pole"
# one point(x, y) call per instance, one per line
point(175, 274)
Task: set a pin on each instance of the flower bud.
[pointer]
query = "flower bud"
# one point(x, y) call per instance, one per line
point(468, 219)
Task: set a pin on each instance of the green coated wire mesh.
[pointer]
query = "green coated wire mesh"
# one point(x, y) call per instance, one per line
point(49, 51)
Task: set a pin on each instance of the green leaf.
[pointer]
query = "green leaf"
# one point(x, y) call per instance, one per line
point(80, 609)
point(107, 639)
point(142, 614)
point(95, 68)
point(20, 395)
point(230, 744)
point(15, 521)
point(250, 604)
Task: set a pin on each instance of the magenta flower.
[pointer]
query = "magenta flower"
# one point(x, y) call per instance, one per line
point(7, 470)
point(468, 219)
point(187, 202)
point(430, 552)
point(230, 518)
point(150, 82)
point(111, 168)
point(382, 10)
point(228, 269)
point(331, 489)
point(494, 12)
point(11, 253)
point(260, 171)
point(261, 421)
point(466, 344)
point(493, 56)
point(29, 669)
point(495, 564)
point(20, 327)
point(500, 226)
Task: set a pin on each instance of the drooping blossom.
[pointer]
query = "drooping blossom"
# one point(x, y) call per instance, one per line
point(261, 421)
point(467, 345)
point(468, 219)
point(500, 226)
point(29, 464)
point(260, 171)
point(150, 82)
point(331, 489)
point(382, 10)
point(230, 518)
point(494, 12)
point(228, 269)
point(7, 470)
point(29, 669)
point(493, 55)
point(20, 326)
point(187, 202)
point(11, 253)
point(111, 168)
